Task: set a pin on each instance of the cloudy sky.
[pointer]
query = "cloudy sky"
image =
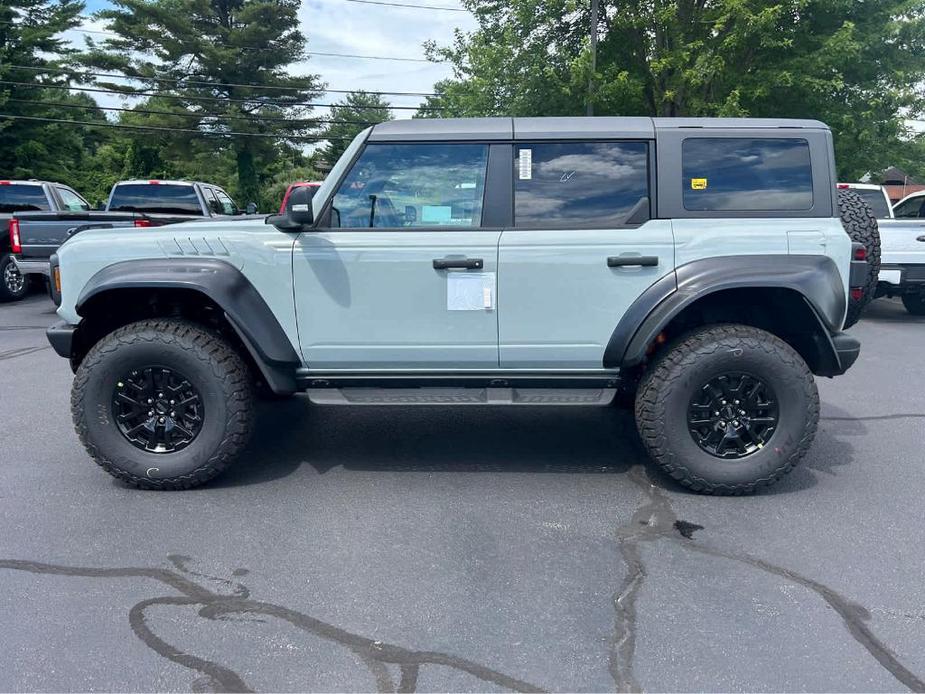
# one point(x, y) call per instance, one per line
point(345, 26)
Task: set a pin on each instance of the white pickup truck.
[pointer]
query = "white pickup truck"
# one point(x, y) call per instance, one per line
point(902, 245)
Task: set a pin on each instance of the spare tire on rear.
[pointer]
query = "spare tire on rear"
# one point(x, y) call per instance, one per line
point(861, 225)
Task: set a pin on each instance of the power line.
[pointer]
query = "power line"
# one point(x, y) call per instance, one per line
point(249, 119)
point(417, 7)
point(153, 128)
point(270, 48)
point(75, 73)
point(255, 100)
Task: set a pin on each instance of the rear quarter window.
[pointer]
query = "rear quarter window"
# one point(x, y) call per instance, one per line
point(160, 198)
point(733, 174)
point(22, 198)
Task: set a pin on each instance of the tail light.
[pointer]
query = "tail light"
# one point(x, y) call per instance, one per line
point(142, 222)
point(860, 253)
point(15, 241)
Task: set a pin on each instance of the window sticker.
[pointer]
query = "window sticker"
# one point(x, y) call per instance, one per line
point(470, 291)
point(525, 163)
point(698, 184)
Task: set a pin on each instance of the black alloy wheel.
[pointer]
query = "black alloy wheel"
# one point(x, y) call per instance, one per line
point(733, 415)
point(157, 409)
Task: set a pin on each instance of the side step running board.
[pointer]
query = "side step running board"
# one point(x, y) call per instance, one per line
point(462, 396)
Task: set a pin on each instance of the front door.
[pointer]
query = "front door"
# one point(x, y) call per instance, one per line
point(581, 250)
point(404, 276)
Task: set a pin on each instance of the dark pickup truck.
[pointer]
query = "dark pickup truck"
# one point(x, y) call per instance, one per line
point(36, 235)
point(18, 197)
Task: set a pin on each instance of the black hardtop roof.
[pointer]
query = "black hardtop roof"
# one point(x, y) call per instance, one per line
point(566, 127)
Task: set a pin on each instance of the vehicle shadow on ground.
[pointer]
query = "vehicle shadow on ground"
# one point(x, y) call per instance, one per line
point(483, 439)
point(421, 439)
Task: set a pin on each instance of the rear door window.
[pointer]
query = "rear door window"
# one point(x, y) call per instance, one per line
point(212, 201)
point(71, 200)
point(737, 174)
point(226, 203)
point(22, 198)
point(413, 185)
point(580, 184)
point(155, 198)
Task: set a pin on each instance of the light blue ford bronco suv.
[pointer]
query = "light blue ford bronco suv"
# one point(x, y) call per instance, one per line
point(698, 268)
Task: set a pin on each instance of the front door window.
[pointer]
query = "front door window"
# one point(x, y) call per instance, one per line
point(413, 185)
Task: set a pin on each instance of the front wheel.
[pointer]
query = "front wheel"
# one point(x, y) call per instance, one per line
point(914, 303)
point(163, 404)
point(13, 285)
point(728, 409)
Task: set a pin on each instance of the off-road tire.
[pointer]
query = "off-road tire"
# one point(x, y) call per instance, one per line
point(861, 225)
point(217, 371)
point(914, 303)
point(11, 291)
point(666, 390)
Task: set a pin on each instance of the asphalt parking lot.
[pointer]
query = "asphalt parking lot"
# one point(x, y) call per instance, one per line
point(468, 549)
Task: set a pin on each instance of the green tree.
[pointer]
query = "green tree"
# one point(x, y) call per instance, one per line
point(854, 65)
point(202, 57)
point(33, 93)
point(349, 116)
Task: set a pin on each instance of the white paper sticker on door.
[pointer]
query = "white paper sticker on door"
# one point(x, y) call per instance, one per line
point(470, 291)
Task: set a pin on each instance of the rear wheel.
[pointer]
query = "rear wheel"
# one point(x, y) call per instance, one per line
point(914, 303)
point(13, 285)
point(163, 404)
point(861, 225)
point(728, 409)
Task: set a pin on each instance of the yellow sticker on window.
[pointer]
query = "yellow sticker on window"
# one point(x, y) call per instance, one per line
point(698, 184)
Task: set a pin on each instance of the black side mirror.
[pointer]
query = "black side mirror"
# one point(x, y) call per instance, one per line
point(250, 208)
point(299, 206)
point(298, 213)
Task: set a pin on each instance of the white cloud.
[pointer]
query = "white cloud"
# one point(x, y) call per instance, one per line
point(338, 26)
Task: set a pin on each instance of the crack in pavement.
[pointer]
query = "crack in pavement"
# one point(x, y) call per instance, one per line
point(375, 655)
point(871, 418)
point(655, 520)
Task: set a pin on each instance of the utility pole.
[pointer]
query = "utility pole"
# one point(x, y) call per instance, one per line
point(594, 10)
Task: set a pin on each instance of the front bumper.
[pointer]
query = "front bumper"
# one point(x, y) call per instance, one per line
point(32, 267)
point(847, 349)
point(61, 337)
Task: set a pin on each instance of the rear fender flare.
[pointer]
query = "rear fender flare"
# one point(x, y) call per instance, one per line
point(815, 277)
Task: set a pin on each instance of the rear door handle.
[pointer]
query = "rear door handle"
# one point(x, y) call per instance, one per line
point(921, 238)
point(632, 261)
point(458, 263)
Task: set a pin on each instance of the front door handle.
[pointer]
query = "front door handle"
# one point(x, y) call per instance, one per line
point(921, 238)
point(632, 261)
point(458, 263)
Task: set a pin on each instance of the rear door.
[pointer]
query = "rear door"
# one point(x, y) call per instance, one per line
point(582, 248)
point(401, 272)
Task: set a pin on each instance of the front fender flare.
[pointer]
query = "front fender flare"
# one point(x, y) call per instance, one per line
point(225, 286)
